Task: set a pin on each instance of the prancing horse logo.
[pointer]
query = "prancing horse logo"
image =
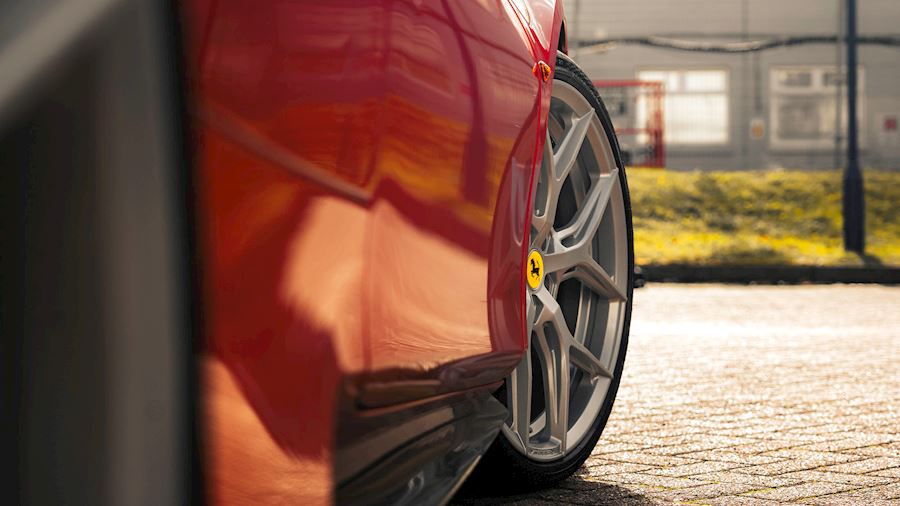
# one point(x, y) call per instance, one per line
point(535, 270)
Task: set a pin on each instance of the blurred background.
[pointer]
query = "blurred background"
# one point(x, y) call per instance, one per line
point(740, 109)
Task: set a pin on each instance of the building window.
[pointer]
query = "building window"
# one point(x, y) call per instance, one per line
point(696, 105)
point(804, 107)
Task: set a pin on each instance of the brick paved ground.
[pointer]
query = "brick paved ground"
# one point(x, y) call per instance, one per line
point(751, 395)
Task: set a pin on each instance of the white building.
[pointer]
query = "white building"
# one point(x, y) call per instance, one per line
point(773, 108)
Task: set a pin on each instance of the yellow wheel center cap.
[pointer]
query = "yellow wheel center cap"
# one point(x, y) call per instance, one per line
point(534, 270)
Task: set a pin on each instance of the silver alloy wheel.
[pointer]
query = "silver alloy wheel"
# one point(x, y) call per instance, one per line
point(576, 313)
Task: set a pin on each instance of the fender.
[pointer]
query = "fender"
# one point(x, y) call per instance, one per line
point(545, 19)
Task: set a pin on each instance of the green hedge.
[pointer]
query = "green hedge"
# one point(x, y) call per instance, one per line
point(758, 217)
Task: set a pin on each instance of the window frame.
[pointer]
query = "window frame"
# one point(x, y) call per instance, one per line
point(724, 144)
point(817, 88)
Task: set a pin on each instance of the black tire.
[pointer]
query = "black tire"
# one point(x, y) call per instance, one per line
point(503, 469)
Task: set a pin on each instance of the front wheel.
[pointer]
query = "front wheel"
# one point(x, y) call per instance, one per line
point(578, 302)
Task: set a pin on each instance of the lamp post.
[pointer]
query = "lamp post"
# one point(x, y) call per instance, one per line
point(573, 34)
point(853, 201)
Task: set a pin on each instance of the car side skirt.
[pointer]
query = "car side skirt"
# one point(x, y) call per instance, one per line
point(414, 454)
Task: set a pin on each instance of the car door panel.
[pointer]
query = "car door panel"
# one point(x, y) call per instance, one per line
point(455, 159)
point(363, 176)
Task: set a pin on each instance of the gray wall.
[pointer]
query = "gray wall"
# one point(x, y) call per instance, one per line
point(749, 94)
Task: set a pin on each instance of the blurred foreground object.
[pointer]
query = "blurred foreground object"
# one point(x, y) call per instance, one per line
point(96, 334)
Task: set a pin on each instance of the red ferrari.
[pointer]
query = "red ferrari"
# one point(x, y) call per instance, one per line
point(397, 233)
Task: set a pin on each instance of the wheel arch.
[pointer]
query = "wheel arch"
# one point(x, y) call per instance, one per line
point(545, 20)
point(562, 45)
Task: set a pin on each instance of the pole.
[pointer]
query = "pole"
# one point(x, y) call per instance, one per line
point(745, 88)
point(839, 88)
point(574, 34)
point(854, 217)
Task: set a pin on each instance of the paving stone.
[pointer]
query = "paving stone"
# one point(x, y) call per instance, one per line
point(700, 443)
point(692, 469)
point(603, 494)
point(851, 443)
point(826, 458)
point(875, 495)
point(865, 466)
point(890, 450)
point(681, 431)
point(615, 447)
point(852, 479)
point(891, 491)
point(616, 467)
point(758, 482)
point(703, 492)
point(655, 481)
point(759, 447)
point(648, 440)
point(730, 500)
point(803, 490)
point(849, 499)
point(730, 456)
point(893, 472)
point(831, 431)
point(781, 467)
point(807, 438)
point(649, 459)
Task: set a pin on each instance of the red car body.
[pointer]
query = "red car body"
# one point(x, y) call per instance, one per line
point(364, 169)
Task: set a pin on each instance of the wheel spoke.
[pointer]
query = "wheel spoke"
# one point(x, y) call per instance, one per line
point(543, 222)
point(552, 313)
point(587, 361)
point(595, 277)
point(564, 258)
point(556, 385)
point(570, 146)
point(570, 348)
point(587, 218)
point(555, 356)
point(531, 309)
point(519, 386)
point(581, 321)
